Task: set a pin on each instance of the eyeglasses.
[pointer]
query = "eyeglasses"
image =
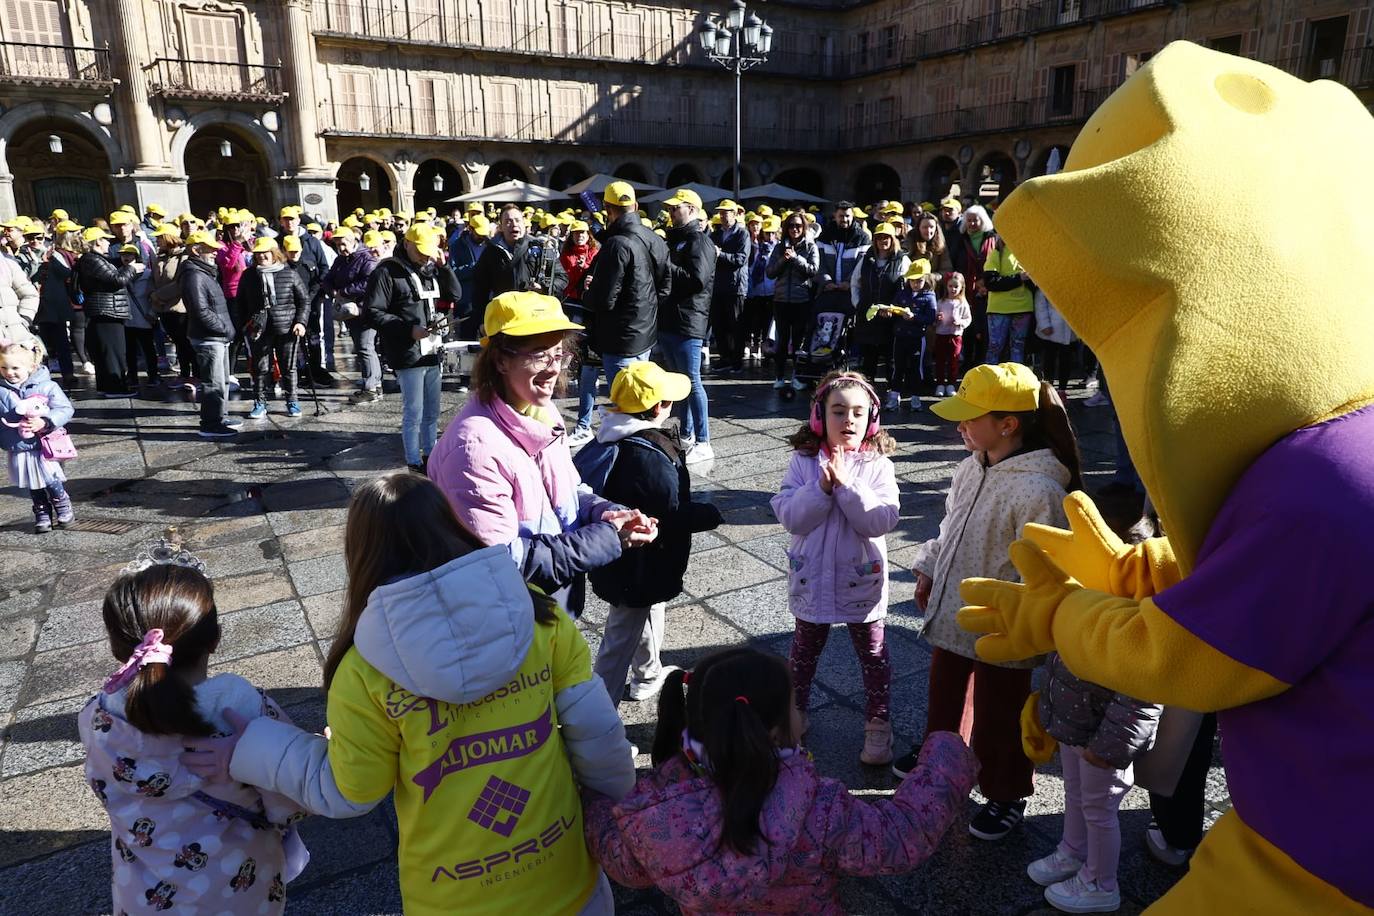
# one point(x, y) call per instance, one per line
point(542, 361)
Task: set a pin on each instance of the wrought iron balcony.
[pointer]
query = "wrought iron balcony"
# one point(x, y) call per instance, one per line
point(56, 66)
point(212, 80)
point(1352, 68)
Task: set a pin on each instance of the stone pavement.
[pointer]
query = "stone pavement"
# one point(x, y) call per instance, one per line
point(265, 513)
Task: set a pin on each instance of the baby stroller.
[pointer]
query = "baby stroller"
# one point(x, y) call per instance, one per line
point(825, 345)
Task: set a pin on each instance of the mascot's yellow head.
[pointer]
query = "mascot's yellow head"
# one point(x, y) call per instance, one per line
point(1207, 239)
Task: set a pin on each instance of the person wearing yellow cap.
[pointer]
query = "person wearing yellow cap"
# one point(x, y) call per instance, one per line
point(402, 303)
point(758, 305)
point(313, 260)
point(153, 216)
point(275, 299)
point(514, 259)
point(842, 244)
point(62, 327)
point(165, 298)
point(12, 239)
point(104, 286)
point(685, 313)
point(638, 462)
point(141, 323)
point(877, 277)
point(949, 211)
point(211, 329)
point(734, 248)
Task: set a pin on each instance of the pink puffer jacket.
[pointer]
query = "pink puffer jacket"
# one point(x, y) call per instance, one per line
point(666, 833)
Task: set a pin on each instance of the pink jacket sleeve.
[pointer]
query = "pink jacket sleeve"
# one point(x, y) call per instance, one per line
point(606, 843)
point(482, 497)
point(898, 834)
point(871, 510)
point(801, 505)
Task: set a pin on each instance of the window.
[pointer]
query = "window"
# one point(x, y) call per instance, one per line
point(567, 111)
point(890, 42)
point(212, 39)
point(503, 110)
point(999, 89)
point(431, 108)
point(628, 40)
point(887, 110)
point(1227, 44)
point(38, 22)
point(353, 108)
point(1063, 82)
point(861, 48)
point(426, 23)
point(1325, 46)
point(1130, 63)
point(1069, 10)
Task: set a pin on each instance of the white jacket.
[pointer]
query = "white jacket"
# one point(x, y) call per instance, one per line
point(984, 512)
point(18, 300)
point(1049, 324)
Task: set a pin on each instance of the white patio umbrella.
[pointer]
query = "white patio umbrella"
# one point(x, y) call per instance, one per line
point(514, 191)
point(706, 192)
point(775, 191)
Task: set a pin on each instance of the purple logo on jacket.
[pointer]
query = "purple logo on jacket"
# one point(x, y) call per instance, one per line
point(484, 748)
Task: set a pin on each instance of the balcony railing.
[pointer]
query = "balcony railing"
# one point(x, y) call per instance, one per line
point(214, 80)
point(1352, 68)
point(1023, 114)
point(55, 65)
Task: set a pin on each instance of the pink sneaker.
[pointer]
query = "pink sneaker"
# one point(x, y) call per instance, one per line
point(877, 743)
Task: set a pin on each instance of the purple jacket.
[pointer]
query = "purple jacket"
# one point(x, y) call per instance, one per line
point(666, 833)
point(347, 277)
point(837, 564)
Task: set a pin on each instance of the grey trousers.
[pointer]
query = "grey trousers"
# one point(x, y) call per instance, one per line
point(630, 644)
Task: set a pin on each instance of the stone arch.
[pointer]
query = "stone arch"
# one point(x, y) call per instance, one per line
point(877, 181)
point(506, 170)
point(16, 118)
point(454, 183)
point(941, 174)
point(266, 141)
point(746, 177)
point(348, 188)
point(994, 168)
point(681, 174)
point(567, 174)
point(802, 179)
point(1039, 163)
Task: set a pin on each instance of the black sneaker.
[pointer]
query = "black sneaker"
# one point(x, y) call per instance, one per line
point(997, 819)
point(366, 396)
point(218, 432)
point(903, 765)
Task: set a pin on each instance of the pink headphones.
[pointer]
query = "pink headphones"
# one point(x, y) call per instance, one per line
point(818, 405)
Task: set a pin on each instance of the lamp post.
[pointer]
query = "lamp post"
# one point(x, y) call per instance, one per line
point(739, 41)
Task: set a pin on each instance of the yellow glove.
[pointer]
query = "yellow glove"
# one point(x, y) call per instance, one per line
point(1016, 616)
point(1038, 744)
point(1092, 553)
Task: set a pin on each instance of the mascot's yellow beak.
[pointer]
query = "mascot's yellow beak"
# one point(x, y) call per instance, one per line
point(1177, 243)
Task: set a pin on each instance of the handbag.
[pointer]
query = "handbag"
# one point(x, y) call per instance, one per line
point(57, 445)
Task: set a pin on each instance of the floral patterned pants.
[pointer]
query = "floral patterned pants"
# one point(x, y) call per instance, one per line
point(809, 639)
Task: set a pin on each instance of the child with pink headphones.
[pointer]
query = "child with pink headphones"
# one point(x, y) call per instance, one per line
point(839, 501)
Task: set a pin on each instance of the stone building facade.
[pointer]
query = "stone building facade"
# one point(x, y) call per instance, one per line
point(406, 103)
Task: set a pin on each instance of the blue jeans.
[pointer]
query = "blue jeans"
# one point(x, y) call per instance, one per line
point(1002, 326)
point(612, 363)
point(420, 389)
point(586, 395)
point(683, 354)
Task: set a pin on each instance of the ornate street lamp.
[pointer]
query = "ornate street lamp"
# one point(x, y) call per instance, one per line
point(364, 181)
point(438, 182)
point(55, 144)
point(737, 42)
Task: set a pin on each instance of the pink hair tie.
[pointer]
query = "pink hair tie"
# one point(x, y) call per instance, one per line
point(151, 651)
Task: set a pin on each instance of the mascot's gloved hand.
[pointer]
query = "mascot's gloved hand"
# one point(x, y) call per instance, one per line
point(1017, 617)
point(1092, 553)
point(1038, 744)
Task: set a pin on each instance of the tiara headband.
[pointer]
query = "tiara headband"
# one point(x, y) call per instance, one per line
point(165, 552)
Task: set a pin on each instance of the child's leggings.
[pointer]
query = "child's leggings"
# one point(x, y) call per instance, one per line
point(809, 639)
point(1092, 832)
point(983, 703)
point(947, 348)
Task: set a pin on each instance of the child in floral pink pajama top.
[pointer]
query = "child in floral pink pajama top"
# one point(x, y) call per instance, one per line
point(734, 817)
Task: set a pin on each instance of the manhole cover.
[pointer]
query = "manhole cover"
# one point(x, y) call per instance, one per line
point(105, 525)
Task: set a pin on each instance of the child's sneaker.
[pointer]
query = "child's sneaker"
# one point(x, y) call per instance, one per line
point(293, 409)
point(1053, 868)
point(903, 765)
point(915, 402)
point(893, 401)
point(258, 412)
point(42, 518)
point(997, 819)
point(1078, 896)
point(877, 743)
point(579, 437)
point(61, 508)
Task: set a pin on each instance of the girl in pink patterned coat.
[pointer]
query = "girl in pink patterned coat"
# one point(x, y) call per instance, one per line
point(734, 817)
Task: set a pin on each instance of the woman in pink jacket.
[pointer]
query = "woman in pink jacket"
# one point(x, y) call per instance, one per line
point(504, 462)
point(734, 817)
point(839, 501)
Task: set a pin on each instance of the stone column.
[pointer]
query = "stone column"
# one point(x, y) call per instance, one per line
point(131, 54)
point(313, 183)
point(8, 208)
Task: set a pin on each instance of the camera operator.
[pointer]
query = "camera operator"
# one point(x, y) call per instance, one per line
point(515, 260)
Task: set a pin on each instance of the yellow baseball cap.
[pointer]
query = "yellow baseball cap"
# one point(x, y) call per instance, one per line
point(479, 224)
point(643, 385)
point(67, 225)
point(752, 217)
point(919, 268)
point(474, 206)
point(165, 229)
point(579, 226)
point(384, 212)
point(18, 222)
point(291, 211)
point(763, 210)
point(426, 239)
point(291, 243)
point(684, 196)
point(1006, 387)
point(122, 218)
point(93, 233)
point(548, 220)
point(313, 228)
point(264, 244)
point(524, 314)
point(372, 238)
point(128, 208)
point(128, 249)
point(155, 210)
point(621, 194)
point(726, 204)
point(885, 229)
point(772, 224)
point(35, 228)
point(927, 206)
point(401, 214)
point(58, 214)
point(952, 203)
point(388, 236)
point(351, 222)
point(203, 238)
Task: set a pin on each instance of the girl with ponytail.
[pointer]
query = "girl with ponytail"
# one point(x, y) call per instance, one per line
point(734, 817)
point(179, 841)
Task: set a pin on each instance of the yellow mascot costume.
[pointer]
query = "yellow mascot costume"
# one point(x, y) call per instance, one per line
point(1201, 240)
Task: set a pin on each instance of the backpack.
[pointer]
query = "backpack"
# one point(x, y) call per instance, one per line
point(72, 283)
point(596, 460)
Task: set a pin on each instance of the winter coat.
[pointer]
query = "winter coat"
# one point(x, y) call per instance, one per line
point(628, 281)
point(649, 474)
point(577, 263)
point(166, 295)
point(969, 260)
point(39, 383)
point(141, 316)
point(315, 260)
point(872, 284)
point(837, 562)
point(500, 269)
point(1112, 725)
point(274, 299)
point(104, 286)
point(952, 316)
point(687, 308)
point(667, 833)
point(399, 298)
point(346, 279)
point(232, 261)
point(207, 310)
point(511, 481)
point(464, 248)
point(1008, 293)
point(922, 307)
point(182, 843)
point(54, 301)
point(31, 259)
point(733, 248)
point(453, 693)
point(984, 513)
point(1049, 324)
point(760, 284)
point(796, 277)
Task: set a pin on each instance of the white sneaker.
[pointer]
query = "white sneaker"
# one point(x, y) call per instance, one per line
point(798, 386)
point(643, 690)
point(780, 384)
point(1075, 895)
point(579, 437)
point(1053, 868)
point(700, 452)
point(893, 401)
point(915, 402)
point(688, 443)
point(1162, 851)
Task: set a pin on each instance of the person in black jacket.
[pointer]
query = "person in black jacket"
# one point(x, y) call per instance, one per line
point(106, 304)
point(685, 314)
point(734, 248)
point(276, 302)
point(646, 472)
point(313, 262)
point(210, 329)
point(513, 259)
point(400, 304)
point(629, 279)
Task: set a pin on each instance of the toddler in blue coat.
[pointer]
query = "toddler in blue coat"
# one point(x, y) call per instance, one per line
point(32, 408)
